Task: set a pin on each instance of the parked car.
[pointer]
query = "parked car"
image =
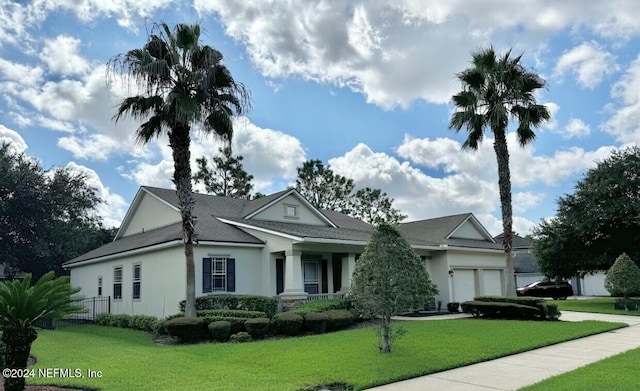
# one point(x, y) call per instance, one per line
point(554, 289)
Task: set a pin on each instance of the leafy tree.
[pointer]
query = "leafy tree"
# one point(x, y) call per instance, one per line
point(600, 220)
point(23, 306)
point(389, 278)
point(183, 84)
point(623, 279)
point(227, 177)
point(496, 90)
point(322, 188)
point(46, 217)
point(374, 207)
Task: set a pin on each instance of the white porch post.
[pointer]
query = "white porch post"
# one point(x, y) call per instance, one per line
point(293, 279)
point(348, 265)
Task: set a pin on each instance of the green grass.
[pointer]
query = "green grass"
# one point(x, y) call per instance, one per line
point(129, 360)
point(602, 305)
point(619, 373)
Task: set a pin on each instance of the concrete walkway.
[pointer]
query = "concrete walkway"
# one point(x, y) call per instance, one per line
point(523, 369)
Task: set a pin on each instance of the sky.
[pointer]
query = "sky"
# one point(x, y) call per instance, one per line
point(364, 86)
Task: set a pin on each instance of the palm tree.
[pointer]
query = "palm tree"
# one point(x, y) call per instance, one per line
point(494, 91)
point(181, 85)
point(22, 307)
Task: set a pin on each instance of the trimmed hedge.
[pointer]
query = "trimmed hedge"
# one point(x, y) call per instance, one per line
point(188, 329)
point(136, 322)
point(232, 313)
point(288, 323)
point(497, 310)
point(265, 304)
point(548, 311)
point(338, 319)
point(322, 305)
point(316, 322)
point(237, 324)
point(220, 330)
point(241, 337)
point(257, 327)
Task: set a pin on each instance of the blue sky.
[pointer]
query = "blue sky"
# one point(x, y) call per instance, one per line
point(363, 86)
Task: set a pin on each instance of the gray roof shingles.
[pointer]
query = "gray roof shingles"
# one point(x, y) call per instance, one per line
point(208, 227)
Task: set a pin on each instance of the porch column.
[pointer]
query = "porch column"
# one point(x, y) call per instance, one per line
point(293, 279)
point(348, 265)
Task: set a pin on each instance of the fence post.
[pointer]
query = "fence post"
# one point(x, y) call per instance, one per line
point(109, 304)
point(93, 317)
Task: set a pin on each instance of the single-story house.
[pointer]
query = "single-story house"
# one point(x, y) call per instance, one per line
point(277, 245)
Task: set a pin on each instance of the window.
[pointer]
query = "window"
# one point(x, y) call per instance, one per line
point(311, 277)
point(117, 282)
point(99, 285)
point(290, 210)
point(218, 275)
point(136, 281)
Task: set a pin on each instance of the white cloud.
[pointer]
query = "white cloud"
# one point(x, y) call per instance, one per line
point(589, 63)
point(575, 128)
point(18, 145)
point(526, 167)
point(61, 56)
point(396, 52)
point(93, 147)
point(553, 109)
point(269, 155)
point(24, 75)
point(624, 123)
point(523, 201)
point(113, 207)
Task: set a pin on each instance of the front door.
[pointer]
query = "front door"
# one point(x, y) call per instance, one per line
point(311, 276)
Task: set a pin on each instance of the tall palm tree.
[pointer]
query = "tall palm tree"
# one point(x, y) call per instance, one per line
point(23, 306)
point(496, 90)
point(181, 84)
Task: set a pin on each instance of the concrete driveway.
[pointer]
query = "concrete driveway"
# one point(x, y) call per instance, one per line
point(523, 369)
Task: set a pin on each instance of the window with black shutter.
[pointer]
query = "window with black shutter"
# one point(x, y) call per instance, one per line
point(218, 275)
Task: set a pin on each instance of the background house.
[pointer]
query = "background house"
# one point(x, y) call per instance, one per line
point(276, 245)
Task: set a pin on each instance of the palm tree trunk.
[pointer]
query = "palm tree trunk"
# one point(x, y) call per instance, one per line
point(179, 140)
point(504, 185)
point(18, 346)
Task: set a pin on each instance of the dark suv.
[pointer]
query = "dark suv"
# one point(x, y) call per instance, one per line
point(554, 289)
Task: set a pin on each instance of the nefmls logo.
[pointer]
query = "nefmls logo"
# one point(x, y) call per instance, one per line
point(60, 372)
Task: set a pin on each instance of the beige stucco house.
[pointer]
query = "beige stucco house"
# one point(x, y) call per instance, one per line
point(276, 245)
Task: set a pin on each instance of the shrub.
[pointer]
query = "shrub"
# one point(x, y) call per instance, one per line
point(316, 322)
point(241, 337)
point(188, 329)
point(338, 319)
point(237, 324)
point(322, 305)
point(288, 323)
point(232, 313)
point(548, 311)
point(120, 320)
point(268, 305)
point(498, 310)
point(159, 327)
point(142, 322)
point(102, 319)
point(626, 304)
point(220, 330)
point(257, 327)
point(623, 278)
point(453, 306)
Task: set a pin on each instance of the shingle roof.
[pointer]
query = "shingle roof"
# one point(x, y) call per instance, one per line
point(210, 209)
point(517, 241)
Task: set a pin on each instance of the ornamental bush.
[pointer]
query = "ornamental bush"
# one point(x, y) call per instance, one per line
point(268, 305)
point(232, 313)
point(237, 324)
point(288, 323)
point(257, 327)
point(322, 305)
point(497, 310)
point(316, 322)
point(220, 330)
point(623, 279)
point(548, 311)
point(453, 306)
point(338, 319)
point(241, 337)
point(188, 329)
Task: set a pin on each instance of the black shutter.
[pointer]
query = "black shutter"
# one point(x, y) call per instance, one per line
point(231, 275)
point(206, 275)
point(325, 283)
point(279, 276)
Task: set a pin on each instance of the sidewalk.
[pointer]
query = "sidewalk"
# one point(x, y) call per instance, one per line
point(523, 369)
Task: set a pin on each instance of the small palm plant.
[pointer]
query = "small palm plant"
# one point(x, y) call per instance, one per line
point(24, 305)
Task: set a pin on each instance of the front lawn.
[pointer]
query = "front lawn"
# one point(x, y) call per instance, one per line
point(129, 360)
point(619, 373)
point(602, 305)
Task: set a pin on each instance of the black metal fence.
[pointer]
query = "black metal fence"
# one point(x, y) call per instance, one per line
point(93, 306)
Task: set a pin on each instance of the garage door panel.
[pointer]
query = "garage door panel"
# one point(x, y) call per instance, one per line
point(492, 281)
point(464, 285)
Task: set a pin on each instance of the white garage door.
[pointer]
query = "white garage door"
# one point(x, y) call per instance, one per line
point(593, 285)
point(464, 285)
point(492, 282)
point(526, 279)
